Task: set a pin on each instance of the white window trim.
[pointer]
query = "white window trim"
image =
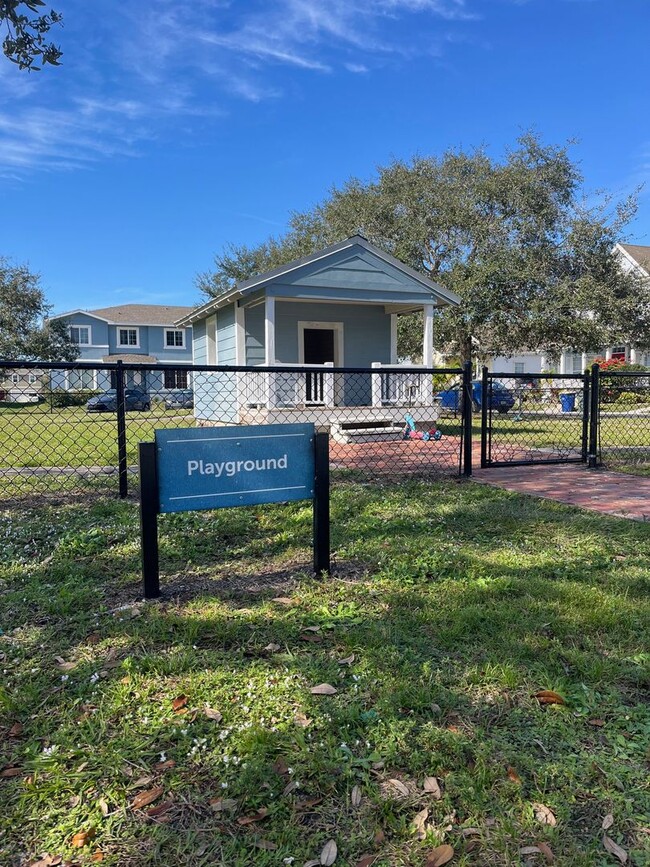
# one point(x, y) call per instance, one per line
point(174, 330)
point(336, 327)
point(89, 328)
point(66, 380)
point(128, 345)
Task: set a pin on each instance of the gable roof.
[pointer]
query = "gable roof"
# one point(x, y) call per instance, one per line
point(639, 253)
point(134, 314)
point(317, 263)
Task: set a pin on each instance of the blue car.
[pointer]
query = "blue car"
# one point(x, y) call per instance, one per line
point(501, 398)
point(134, 398)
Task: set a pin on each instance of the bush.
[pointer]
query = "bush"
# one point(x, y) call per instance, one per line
point(60, 398)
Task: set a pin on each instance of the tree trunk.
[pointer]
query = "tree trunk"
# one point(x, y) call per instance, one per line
point(465, 347)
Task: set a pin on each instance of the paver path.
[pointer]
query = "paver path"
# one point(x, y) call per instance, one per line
point(619, 494)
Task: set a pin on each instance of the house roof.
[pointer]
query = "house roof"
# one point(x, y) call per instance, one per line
point(639, 252)
point(134, 314)
point(130, 358)
point(244, 287)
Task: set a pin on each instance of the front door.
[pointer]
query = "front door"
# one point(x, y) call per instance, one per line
point(321, 345)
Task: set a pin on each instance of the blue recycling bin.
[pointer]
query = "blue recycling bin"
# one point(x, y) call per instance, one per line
point(568, 402)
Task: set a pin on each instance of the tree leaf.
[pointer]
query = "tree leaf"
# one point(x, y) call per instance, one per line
point(355, 796)
point(348, 660)
point(547, 696)
point(179, 702)
point(419, 823)
point(142, 781)
point(598, 723)
point(323, 689)
point(282, 600)
point(398, 788)
point(366, 860)
point(212, 714)
point(513, 775)
point(11, 772)
point(440, 855)
point(530, 850)
point(547, 852)
point(147, 797)
point(289, 788)
point(164, 766)
point(607, 822)
point(103, 806)
point(266, 844)
point(311, 637)
point(614, 849)
point(83, 838)
point(15, 731)
point(301, 720)
point(221, 804)
point(544, 815)
point(256, 817)
point(159, 809)
point(329, 853)
point(272, 648)
point(432, 787)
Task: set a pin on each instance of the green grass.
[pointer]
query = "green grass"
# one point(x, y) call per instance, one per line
point(459, 603)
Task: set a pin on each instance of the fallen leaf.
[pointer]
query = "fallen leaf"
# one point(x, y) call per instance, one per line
point(513, 775)
point(379, 837)
point(366, 861)
point(323, 689)
point(289, 788)
point(547, 696)
point(97, 856)
point(419, 823)
point(60, 660)
point(282, 600)
point(598, 723)
point(544, 815)
point(83, 838)
point(355, 796)
point(432, 787)
point(272, 648)
point(11, 772)
point(281, 767)
point(179, 702)
point(607, 822)
point(399, 788)
point(103, 806)
point(159, 809)
point(348, 660)
point(147, 797)
point(94, 638)
point(141, 781)
point(212, 714)
point(15, 731)
point(311, 637)
point(266, 844)
point(256, 817)
point(313, 862)
point(301, 720)
point(312, 628)
point(221, 804)
point(530, 850)
point(614, 849)
point(164, 766)
point(329, 853)
point(547, 852)
point(440, 855)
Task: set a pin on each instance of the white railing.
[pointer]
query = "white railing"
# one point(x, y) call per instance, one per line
point(393, 388)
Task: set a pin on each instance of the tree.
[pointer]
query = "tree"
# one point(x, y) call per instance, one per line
point(24, 333)
point(531, 262)
point(25, 41)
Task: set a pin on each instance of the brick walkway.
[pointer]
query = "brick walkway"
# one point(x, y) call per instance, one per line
point(620, 494)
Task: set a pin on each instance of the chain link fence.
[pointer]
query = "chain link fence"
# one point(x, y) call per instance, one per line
point(624, 420)
point(74, 426)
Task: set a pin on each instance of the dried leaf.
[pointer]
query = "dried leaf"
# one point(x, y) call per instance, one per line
point(272, 648)
point(313, 862)
point(366, 861)
point(311, 637)
point(607, 822)
point(530, 850)
point(598, 723)
point(513, 776)
point(221, 804)
point(399, 788)
point(159, 809)
point(11, 772)
point(83, 838)
point(419, 823)
point(281, 767)
point(290, 787)
point(103, 806)
point(266, 844)
point(355, 796)
point(348, 660)
point(614, 849)
point(97, 856)
point(329, 853)
point(282, 600)
point(15, 731)
point(547, 696)
point(323, 689)
point(440, 855)
point(165, 766)
point(141, 781)
point(256, 817)
point(179, 702)
point(544, 815)
point(379, 837)
point(301, 720)
point(212, 714)
point(547, 852)
point(312, 628)
point(432, 786)
point(147, 797)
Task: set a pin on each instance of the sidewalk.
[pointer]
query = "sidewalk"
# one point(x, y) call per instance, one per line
point(620, 494)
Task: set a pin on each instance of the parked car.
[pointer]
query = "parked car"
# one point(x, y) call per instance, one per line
point(180, 399)
point(134, 398)
point(501, 398)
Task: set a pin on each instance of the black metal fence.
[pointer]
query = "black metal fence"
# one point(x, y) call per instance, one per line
point(64, 426)
point(622, 435)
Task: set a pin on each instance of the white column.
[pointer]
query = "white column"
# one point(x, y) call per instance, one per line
point(393, 338)
point(240, 335)
point(328, 385)
point(583, 362)
point(376, 384)
point(427, 343)
point(632, 355)
point(563, 362)
point(269, 331)
point(608, 353)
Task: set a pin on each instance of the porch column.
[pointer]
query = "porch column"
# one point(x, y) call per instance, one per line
point(393, 338)
point(583, 362)
point(328, 384)
point(563, 362)
point(240, 335)
point(632, 354)
point(608, 353)
point(269, 331)
point(427, 343)
point(376, 384)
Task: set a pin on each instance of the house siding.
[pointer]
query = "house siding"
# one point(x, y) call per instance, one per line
point(200, 342)
point(226, 335)
point(255, 335)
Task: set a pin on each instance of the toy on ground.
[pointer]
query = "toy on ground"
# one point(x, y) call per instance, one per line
point(410, 433)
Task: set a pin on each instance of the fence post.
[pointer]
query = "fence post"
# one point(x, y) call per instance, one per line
point(467, 418)
point(594, 412)
point(122, 469)
point(484, 418)
point(586, 396)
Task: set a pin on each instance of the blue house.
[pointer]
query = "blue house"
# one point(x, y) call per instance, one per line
point(335, 308)
point(143, 334)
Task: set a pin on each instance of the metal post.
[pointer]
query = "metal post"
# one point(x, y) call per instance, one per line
point(321, 503)
point(592, 457)
point(149, 520)
point(484, 418)
point(467, 418)
point(586, 393)
point(122, 469)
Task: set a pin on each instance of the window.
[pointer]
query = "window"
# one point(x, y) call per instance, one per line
point(15, 378)
point(32, 378)
point(174, 338)
point(175, 379)
point(128, 337)
point(577, 363)
point(618, 352)
point(81, 380)
point(80, 334)
point(520, 367)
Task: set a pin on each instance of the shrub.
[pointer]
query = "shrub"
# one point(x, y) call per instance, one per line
point(60, 398)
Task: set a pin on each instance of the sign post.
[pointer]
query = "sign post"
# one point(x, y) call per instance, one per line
point(212, 468)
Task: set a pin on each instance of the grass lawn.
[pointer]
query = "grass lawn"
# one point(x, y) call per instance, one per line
point(186, 732)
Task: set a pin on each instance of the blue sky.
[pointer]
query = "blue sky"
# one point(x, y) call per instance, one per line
point(177, 126)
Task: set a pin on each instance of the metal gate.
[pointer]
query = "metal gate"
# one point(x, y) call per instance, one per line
point(540, 418)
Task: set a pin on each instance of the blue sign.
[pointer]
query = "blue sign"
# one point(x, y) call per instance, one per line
point(212, 468)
